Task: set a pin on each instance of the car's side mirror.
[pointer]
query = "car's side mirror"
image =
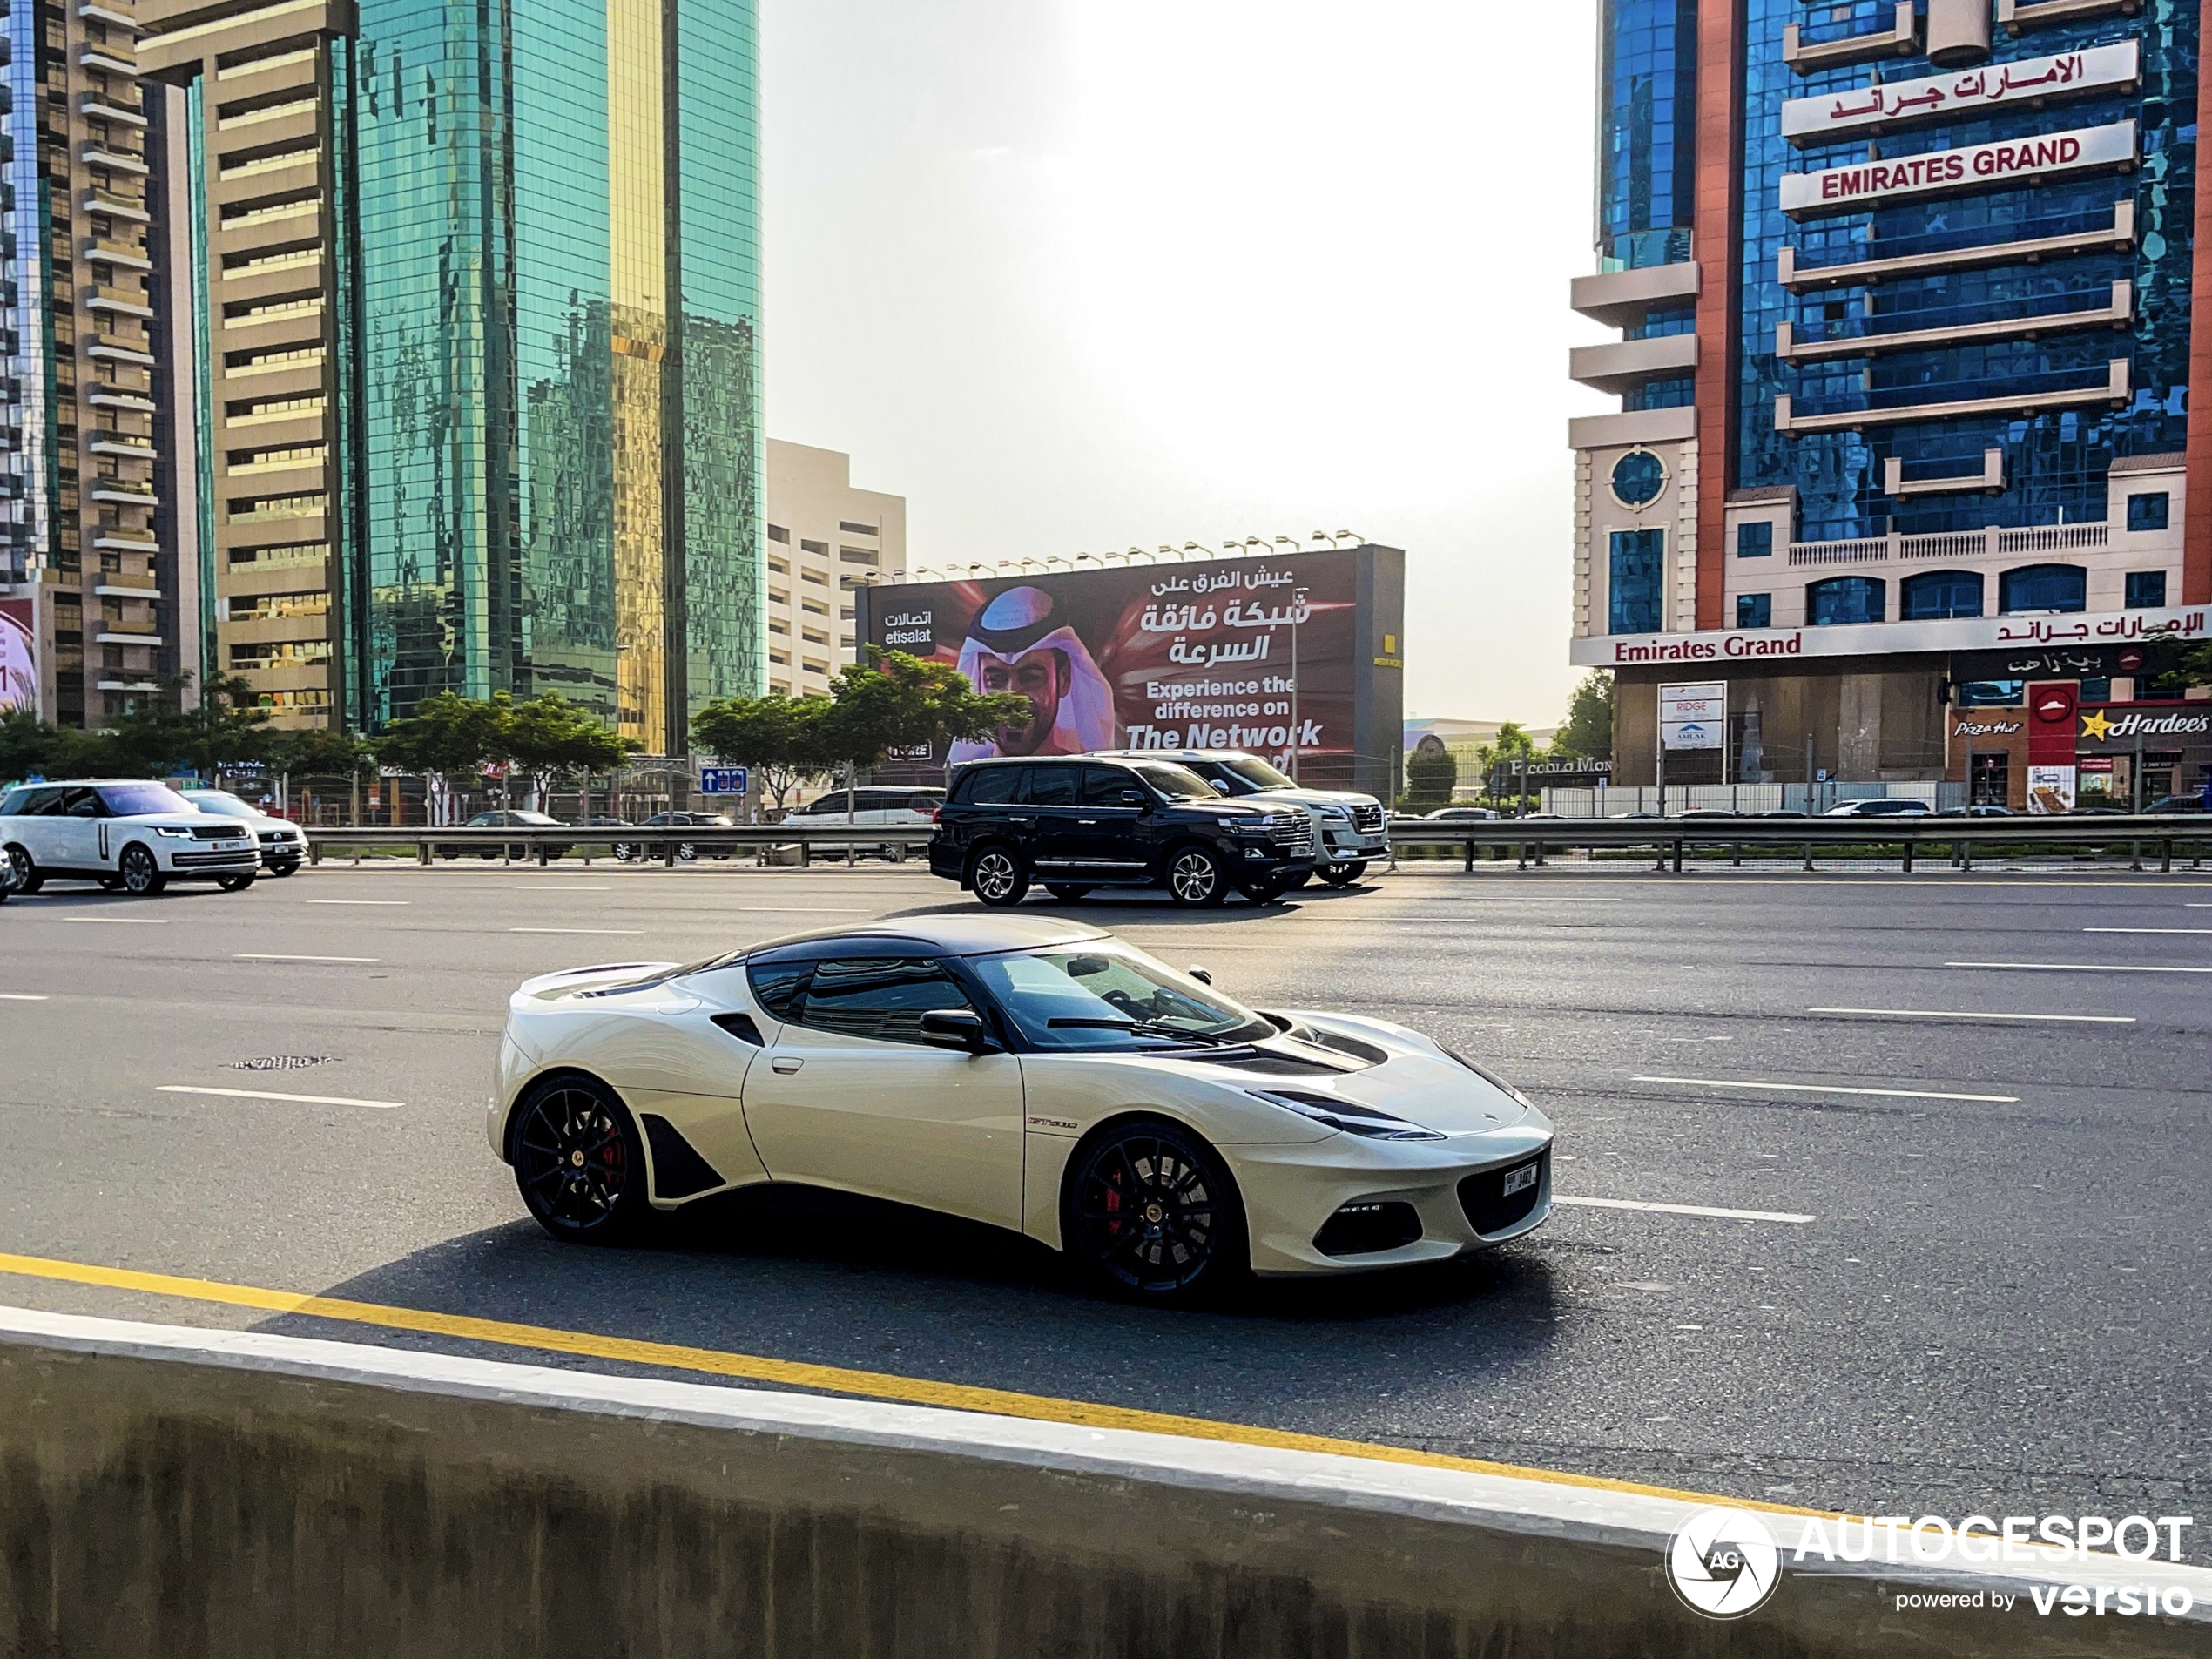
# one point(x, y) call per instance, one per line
point(960, 1028)
point(1217, 786)
point(1200, 974)
point(1132, 797)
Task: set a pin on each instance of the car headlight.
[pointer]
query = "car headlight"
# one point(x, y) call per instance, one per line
point(1493, 1079)
point(1250, 826)
point(1335, 814)
point(1348, 1115)
point(173, 835)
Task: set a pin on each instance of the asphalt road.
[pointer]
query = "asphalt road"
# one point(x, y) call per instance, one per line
point(1997, 1305)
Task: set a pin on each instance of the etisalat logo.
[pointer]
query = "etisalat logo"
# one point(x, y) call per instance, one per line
point(1724, 1563)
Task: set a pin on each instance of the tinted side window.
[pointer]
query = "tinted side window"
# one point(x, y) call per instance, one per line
point(80, 803)
point(17, 802)
point(1102, 786)
point(1054, 785)
point(992, 786)
point(882, 998)
point(776, 986)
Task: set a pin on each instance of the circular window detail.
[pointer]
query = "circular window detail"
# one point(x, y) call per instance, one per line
point(1638, 477)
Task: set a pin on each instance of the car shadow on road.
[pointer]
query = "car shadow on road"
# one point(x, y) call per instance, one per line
point(1153, 910)
point(831, 1280)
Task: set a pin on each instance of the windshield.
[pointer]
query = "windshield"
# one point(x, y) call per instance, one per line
point(1177, 783)
point(1041, 990)
point(1257, 773)
point(129, 800)
point(221, 803)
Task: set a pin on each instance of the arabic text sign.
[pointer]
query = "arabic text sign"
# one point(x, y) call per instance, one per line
point(1833, 115)
point(1841, 190)
point(1693, 717)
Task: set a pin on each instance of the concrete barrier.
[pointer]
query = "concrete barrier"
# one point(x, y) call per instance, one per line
point(185, 1492)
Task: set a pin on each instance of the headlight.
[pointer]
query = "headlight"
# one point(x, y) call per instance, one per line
point(1250, 826)
point(173, 835)
point(1335, 814)
point(1348, 1115)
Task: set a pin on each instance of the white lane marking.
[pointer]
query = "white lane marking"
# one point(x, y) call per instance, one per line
point(19, 996)
point(136, 921)
point(1690, 1209)
point(361, 901)
point(258, 1093)
point(2079, 967)
point(1939, 1013)
point(2146, 930)
point(559, 889)
point(273, 956)
point(597, 932)
point(1829, 1089)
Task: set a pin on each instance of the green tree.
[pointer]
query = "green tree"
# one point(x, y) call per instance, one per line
point(783, 741)
point(548, 736)
point(29, 746)
point(449, 740)
point(896, 700)
point(318, 752)
point(1587, 734)
point(1500, 757)
point(1431, 776)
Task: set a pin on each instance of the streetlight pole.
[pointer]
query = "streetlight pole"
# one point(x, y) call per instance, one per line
point(1297, 609)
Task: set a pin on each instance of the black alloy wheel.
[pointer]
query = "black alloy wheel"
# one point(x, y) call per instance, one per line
point(1343, 875)
point(142, 876)
point(997, 877)
point(28, 879)
point(1195, 876)
point(1149, 1210)
point(1068, 892)
point(237, 881)
point(579, 1162)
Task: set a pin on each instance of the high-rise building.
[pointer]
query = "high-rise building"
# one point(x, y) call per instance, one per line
point(475, 334)
point(88, 484)
point(1906, 458)
point(825, 540)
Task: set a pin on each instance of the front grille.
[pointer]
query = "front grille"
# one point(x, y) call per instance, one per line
point(1368, 1229)
point(1292, 835)
point(1490, 1208)
point(216, 831)
point(243, 858)
point(1368, 818)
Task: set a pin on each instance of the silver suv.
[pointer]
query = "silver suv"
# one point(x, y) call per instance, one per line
point(1350, 830)
point(121, 833)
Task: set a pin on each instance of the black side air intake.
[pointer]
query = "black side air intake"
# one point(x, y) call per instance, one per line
point(678, 1170)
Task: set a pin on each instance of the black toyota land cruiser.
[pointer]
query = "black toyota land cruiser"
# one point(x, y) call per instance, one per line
point(1074, 824)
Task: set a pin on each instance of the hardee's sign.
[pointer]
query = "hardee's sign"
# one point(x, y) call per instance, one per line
point(1841, 190)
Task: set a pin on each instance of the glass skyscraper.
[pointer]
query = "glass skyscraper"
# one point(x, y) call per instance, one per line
point(528, 344)
point(1904, 296)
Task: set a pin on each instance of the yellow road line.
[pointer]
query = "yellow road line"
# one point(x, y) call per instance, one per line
point(834, 1379)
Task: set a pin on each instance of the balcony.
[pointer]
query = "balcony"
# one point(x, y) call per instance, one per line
point(121, 399)
point(1991, 543)
point(2118, 313)
point(101, 201)
point(1807, 279)
point(126, 635)
point(108, 351)
point(1622, 299)
point(2114, 392)
point(128, 590)
point(1621, 366)
point(112, 540)
point(1900, 39)
point(1990, 479)
point(117, 301)
point(107, 61)
point(95, 107)
point(116, 254)
point(115, 17)
point(124, 449)
point(94, 155)
point(2012, 16)
point(1632, 428)
point(115, 491)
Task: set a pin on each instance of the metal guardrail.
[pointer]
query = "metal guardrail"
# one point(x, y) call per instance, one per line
point(540, 846)
point(1670, 836)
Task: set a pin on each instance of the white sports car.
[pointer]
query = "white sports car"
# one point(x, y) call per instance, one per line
point(1026, 1071)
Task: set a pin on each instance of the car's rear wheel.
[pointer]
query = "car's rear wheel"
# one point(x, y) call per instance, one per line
point(1068, 892)
point(1150, 1212)
point(1195, 876)
point(579, 1162)
point(1343, 875)
point(625, 852)
point(284, 867)
point(142, 876)
point(997, 877)
point(238, 881)
point(28, 876)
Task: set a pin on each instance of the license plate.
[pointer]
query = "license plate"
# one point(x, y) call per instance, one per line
point(1520, 1180)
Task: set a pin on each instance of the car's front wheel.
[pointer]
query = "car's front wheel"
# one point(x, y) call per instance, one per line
point(238, 881)
point(1150, 1212)
point(28, 877)
point(1343, 875)
point(1195, 876)
point(142, 876)
point(997, 877)
point(284, 867)
point(579, 1162)
point(625, 852)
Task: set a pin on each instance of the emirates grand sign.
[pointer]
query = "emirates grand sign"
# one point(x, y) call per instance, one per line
point(1878, 638)
point(1937, 172)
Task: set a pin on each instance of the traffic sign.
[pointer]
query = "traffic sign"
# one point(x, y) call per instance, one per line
point(722, 781)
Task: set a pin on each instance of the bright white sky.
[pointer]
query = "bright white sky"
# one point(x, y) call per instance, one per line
point(1072, 276)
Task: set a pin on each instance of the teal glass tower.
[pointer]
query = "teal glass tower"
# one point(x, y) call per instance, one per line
point(548, 460)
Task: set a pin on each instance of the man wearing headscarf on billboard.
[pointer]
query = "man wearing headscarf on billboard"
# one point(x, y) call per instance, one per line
point(1018, 642)
point(18, 659)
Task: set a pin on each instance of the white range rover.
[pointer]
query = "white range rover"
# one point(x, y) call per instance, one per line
point(123, 833)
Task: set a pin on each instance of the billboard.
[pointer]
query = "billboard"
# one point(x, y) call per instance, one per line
point(19, 655)
point(1269, 655)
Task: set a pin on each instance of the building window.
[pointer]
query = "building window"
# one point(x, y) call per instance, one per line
point(851, 528)
point(778, 533)
point(2043, 588)
point(1638, 477)
point(1755, 610)
point(820, 549)
point(2096, 690)
point(1755, 540)
point(1991, 694)
point(1843, 599)
point(1938, 595)
point(2147, 512)
point(2146, 589)
point(1633, 585)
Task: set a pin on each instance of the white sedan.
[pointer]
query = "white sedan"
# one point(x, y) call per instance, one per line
point(1028, 1072)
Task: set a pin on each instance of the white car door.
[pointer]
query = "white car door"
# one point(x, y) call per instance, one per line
point(74, 833)
point(848, 1096)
